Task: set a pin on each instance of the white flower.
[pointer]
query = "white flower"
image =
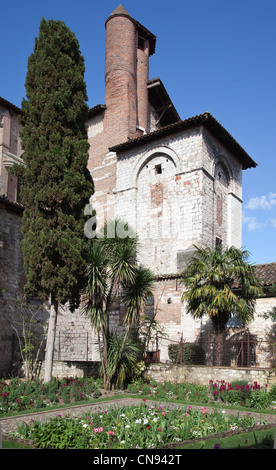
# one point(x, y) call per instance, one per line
point(127, 426)
point(85, 425)
point(138, 421)
point(145, 421)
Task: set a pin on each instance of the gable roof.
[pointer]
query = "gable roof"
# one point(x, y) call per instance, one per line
point(206, 120)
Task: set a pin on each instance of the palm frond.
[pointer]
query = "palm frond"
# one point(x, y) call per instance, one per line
point(219, 282)
point(136, 293)
point(121, 364)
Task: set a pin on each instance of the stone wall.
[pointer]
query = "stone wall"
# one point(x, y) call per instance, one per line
point(75, 369)
point(11, 279)
point(172, 373)
point(202, 375)
point(181, 190)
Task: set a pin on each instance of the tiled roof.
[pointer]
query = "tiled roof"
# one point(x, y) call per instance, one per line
point(96, 109)
point(206, 120)
point(9, 105)
point(10, 204)
point(266, 273)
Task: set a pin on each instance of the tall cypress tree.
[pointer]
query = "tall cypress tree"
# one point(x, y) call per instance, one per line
point(55, 183)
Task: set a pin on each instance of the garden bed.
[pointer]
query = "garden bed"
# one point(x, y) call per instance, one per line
point(145, 425)
point(18, 395)
point(238, 394)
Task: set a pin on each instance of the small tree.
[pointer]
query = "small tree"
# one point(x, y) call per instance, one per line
point(220, 284)
point(114, 276)
point(55, 183)
point(27, 319)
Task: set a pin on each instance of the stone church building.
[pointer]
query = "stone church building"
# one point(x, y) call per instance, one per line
point(178, 183)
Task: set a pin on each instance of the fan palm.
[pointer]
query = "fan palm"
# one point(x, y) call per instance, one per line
point(220, 284)
point(114, 274)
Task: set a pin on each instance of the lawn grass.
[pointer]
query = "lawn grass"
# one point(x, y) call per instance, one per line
point(14, 445)
point(263, 439)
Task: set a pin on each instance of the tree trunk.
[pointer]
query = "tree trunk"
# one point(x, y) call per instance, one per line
point(219, 323)
point(219, 348)
point(50, 345)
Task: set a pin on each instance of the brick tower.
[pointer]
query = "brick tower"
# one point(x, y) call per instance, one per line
point(128, 46)
point(125, 114)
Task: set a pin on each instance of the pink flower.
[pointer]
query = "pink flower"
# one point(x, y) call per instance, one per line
point(98, 429)
point(111, 433)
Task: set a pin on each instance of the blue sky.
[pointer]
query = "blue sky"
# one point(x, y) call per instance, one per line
point(211, 55)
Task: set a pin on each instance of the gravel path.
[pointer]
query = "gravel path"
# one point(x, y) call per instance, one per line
point(8, 425)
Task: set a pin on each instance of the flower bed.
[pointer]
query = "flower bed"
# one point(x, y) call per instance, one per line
point(133, 427)
point(192, 393)
point(18, 395)
point(237, 393)
point(244, 394)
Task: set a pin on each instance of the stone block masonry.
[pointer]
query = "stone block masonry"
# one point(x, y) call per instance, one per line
point(12, 278)
point(176, 193)
point(202, 375)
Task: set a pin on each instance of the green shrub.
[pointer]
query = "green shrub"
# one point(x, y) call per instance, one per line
point(272, 393)
point(133, 388)
point(259, 399)
point(97, 393)
point(192, 354)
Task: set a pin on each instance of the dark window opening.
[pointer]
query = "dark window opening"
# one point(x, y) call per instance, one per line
point(141, 43)
point(149, 309)
point(218, 242)
point(158, 169)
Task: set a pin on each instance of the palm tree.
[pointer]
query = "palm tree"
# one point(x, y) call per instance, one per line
point(113, 276)
point(220, 284)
